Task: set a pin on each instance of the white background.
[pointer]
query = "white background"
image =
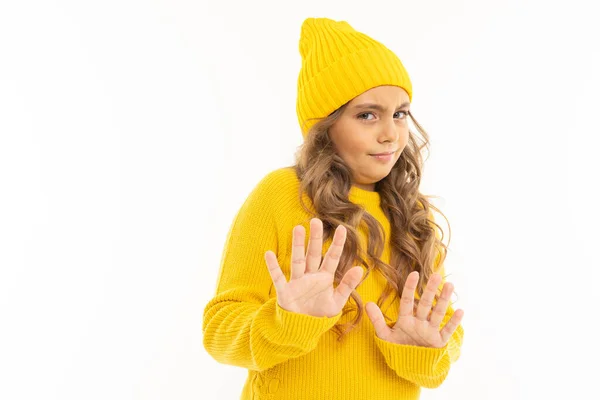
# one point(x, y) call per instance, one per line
point(132, 131)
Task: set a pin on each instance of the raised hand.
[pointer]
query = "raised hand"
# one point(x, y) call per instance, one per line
point(423, 328)
point(310, 288)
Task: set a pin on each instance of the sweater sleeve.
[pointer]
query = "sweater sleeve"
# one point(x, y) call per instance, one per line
point(424, 366)
point(243, 325)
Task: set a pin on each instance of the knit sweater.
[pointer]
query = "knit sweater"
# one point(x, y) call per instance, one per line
point(296, 356)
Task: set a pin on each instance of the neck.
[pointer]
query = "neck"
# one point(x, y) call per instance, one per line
point(370, 187)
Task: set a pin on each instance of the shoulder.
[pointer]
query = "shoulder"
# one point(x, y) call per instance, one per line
point(281, 177)
point(277, 185)
point(274, 190)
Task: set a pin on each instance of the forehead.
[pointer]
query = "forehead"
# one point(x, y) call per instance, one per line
point(383, 95)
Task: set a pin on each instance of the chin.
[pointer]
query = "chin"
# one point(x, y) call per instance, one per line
point(377, 179)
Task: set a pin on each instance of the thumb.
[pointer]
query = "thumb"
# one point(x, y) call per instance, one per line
point(376, 317)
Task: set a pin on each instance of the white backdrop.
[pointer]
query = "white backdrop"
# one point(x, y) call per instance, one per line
point(132, 131)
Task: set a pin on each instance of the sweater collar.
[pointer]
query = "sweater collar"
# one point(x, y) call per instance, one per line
point(363, 196)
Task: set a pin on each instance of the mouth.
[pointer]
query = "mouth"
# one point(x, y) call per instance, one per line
point(387, 153)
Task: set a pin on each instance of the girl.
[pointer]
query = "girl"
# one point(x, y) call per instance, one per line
point(284, 313)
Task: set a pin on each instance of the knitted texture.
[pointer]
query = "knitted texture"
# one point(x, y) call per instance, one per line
point(296, 356)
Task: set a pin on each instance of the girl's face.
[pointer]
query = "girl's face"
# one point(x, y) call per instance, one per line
point(373, 122)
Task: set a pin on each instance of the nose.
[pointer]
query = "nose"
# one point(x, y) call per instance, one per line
point(389, 132)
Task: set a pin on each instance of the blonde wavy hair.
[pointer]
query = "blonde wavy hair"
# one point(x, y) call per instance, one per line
point(326, 179)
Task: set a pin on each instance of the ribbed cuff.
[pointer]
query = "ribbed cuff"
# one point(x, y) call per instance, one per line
point(300, 329)
point(405, 358)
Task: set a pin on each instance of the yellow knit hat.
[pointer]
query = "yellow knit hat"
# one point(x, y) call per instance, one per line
point(338, 64)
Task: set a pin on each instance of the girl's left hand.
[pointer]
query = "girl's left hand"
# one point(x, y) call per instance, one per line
point(423, 328)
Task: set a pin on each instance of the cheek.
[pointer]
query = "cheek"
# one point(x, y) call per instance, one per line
point(358, 148)
point(405, 133)
point(351, 150)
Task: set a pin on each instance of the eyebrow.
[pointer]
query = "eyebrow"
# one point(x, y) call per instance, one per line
point(376, 106)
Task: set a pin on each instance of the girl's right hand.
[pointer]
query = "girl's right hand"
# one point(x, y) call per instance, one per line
point(310, 288)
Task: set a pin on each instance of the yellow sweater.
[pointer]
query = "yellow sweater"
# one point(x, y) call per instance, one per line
point(296, 356)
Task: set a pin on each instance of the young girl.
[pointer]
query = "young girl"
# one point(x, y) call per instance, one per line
point(294, 317)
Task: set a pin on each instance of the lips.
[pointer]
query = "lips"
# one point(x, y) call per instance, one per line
point(384, 154)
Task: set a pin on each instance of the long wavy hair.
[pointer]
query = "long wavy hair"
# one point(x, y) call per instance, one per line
point(414, 244)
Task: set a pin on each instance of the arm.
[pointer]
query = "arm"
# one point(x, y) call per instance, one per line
point(243, 325)
point(425, 366)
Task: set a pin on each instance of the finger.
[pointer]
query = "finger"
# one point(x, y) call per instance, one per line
point(408, 294)
point(298, 261)
point(275, 271)
point(426, 301)
point(451, 325)
point(332, 257)
point(439, 311)
point(315, 245)
point(376, 317)
point(349, 282)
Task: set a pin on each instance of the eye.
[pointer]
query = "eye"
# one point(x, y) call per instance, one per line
point(402, 116)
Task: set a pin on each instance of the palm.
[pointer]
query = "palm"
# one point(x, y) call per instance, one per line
point(409, 327)
point(422, 328)
point(310, 288)
point(312, 291)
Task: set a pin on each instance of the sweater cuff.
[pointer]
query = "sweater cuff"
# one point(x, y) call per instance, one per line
point(405, 358)
point(300, 329)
